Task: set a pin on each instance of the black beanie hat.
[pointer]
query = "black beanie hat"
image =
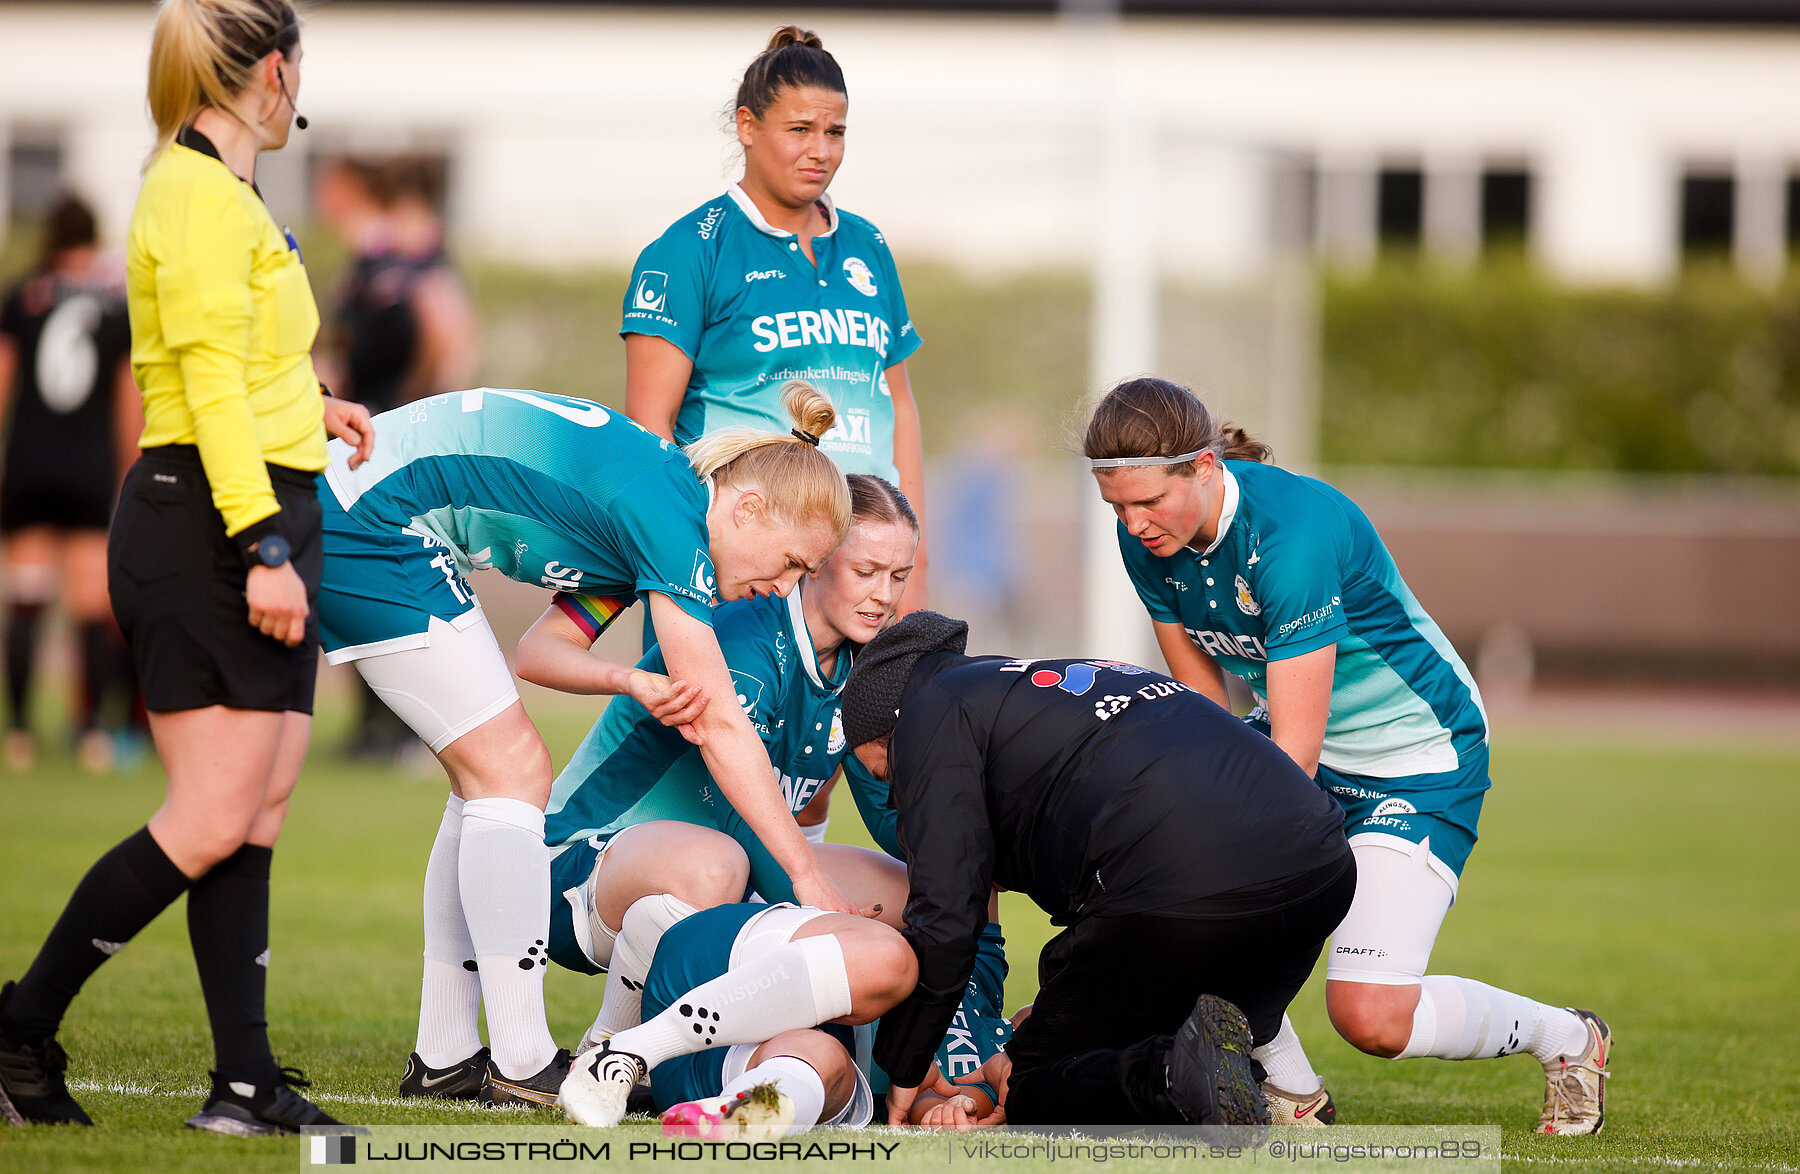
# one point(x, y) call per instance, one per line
point(878, 678)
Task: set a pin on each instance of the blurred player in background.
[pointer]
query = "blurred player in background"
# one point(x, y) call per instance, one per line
point(568, 495)
point(1281, 580)
point(770, 281)
point(402, 327)
point(636, 814)
point(71, 417)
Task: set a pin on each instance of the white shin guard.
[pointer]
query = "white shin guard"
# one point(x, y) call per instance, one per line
point(505, 883)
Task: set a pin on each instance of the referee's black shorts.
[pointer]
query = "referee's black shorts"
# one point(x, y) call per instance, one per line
point(177, 586)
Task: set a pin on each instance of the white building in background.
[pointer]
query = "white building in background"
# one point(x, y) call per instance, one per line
point(575, 133)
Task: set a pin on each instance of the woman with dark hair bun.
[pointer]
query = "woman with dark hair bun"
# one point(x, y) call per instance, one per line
point(770, 281)
point(1280, 579)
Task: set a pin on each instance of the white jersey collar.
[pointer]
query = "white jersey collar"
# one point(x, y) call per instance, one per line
point(803, 645)
point(1227, 512)
point(748, 207)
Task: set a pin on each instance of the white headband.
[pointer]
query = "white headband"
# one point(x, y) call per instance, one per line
point(1127, 462)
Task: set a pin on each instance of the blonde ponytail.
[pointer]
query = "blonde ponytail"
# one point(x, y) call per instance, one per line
point(800, 483)
point(203, 53)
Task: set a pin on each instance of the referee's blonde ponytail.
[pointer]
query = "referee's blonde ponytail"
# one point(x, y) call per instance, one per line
point(800, 482)
point(203, 52)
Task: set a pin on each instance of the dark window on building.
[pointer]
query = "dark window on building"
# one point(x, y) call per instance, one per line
point(1793, 211)
point(1706, 212)
point(34, 176)
point(1505, 206)
point(1400, 205)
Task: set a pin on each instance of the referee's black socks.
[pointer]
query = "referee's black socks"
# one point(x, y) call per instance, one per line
point(119, 896)
point(228, 925)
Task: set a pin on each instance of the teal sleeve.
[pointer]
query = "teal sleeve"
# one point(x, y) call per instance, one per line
point(906, 336)
point(662, 526)
point(1298, 582)
point(875, 803)
point(1147, 576)
point(667, 294)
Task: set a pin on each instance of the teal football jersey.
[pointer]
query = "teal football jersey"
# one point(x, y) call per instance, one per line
point(1296, 567)
point(741, 300)
point(548, 490)
point(632, 769)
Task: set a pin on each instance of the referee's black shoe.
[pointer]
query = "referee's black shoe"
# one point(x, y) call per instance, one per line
point(1212, 1079)
point(240, 1109)
point(32, 1089)
point(458, 1082)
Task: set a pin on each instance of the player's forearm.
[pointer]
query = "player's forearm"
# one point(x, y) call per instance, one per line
point(552, 660)
point(739, 763)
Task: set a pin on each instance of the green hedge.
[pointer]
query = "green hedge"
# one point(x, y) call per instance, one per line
point(1499, 368)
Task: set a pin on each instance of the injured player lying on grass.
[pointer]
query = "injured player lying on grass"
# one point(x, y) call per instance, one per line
point(754, 1028)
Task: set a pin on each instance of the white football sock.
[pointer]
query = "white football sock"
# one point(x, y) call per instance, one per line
point(801, 984)
point(450, 994)
point(1461, 1019)
point(1284, 1059)
point(815, 832)
point(505, 880)
point(796, 1079)
point(640, 930)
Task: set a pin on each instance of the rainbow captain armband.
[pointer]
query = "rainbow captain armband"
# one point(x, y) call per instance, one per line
point(592, 613)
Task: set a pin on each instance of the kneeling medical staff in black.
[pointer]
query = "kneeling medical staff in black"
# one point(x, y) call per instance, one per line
point(1196, 868)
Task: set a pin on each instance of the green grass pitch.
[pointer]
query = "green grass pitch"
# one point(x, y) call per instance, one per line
point(1654, 883)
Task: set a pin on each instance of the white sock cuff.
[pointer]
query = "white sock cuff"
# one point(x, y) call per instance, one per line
point(796, 1079)
point(826, 974)
point(654, 915)
point(511, 812)
point(815, 832)
point(1423, 1040)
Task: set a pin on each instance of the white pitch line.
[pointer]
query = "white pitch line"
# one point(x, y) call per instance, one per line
point(145, 1090)
point(1667, 1163)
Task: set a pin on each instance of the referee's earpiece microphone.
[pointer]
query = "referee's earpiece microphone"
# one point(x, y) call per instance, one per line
point(299, 118)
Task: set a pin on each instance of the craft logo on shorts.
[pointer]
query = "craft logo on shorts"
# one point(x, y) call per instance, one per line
point(835, 742)
point(1246, 603)
point(652, 292)
point(860, 276)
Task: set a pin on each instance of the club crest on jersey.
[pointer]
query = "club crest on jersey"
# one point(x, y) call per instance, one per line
point(749, 691)
point(835, 742)
point(702, 581)
point(652, 292)
point(861, 279)
point(1245, 601)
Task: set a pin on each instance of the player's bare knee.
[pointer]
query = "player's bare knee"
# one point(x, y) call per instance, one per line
point(716, 875)
point(1378, 1029)
point(883, 970)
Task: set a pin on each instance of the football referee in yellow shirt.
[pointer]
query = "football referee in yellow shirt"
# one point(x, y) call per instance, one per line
point(217, 525)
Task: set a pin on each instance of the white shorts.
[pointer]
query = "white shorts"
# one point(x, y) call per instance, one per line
point(459, 680)
point(1400, 902)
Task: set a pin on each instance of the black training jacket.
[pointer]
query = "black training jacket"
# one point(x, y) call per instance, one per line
point(1094, 787)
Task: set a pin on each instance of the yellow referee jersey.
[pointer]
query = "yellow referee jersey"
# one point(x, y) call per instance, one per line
point(222, 327)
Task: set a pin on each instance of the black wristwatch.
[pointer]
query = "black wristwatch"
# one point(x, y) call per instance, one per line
point(272, 551)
